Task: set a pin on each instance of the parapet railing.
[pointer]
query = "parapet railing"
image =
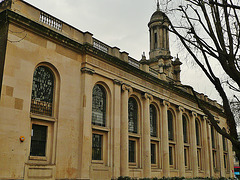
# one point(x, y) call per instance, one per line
point(153, 72)
point(100, 45)
point(50, 21)
point(133, 62)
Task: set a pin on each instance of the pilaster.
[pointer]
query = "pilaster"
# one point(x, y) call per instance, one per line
point(180, 143)
point(146, 136)
point(165, 143)
point(194, 145)
point(86, 144)
point(124, 130)
point(116, 127)
point(206, 148)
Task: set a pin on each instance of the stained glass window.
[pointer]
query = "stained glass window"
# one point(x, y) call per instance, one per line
point(197, 132)
point(132, 151)
point(170, 126)
point(97, 147)
point(132, 115)
point(38, 140)
point(185, 129)
point(42, 91)
point(98, 106)
point(153, 121)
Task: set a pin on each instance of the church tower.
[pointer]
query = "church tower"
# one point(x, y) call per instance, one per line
point(159, 35)
point(160, 58)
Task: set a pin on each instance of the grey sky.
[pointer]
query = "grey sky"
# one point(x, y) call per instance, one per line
point(122, 23)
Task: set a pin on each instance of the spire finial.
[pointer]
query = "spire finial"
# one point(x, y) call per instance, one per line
point(158, 8)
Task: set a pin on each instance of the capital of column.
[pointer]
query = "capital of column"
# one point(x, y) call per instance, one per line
point(194, 114)
point(117, 82)
point(126, 87)
point(147, 96)
point(165, 103)
point(87, 70)
point(180, 108)
point(205, 118)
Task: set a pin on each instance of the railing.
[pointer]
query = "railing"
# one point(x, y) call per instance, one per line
point(41, 107)
point(50, 21)
point(153, 72)
point(100, 46)
point(133, 62)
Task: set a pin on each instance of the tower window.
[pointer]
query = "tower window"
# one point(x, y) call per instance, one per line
point(155, 40)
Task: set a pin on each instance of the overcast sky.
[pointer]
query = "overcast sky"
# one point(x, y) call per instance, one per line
point(123, 23)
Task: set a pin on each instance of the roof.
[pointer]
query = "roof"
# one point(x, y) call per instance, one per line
point(158, 16)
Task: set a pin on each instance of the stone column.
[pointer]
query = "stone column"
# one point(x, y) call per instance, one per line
point(86, 123)
point(221, 159)
point(146, 136)
point(124, 130)
point(194, 145)
point(205, 148)
point(210, 151)
point(180, 143)
point(116, 128)
point(165, 143)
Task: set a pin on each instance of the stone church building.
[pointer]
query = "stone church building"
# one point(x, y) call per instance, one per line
point(72, 107)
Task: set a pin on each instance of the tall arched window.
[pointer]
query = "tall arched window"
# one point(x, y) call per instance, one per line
point(171, 139)
point(42, 91)
point(186, 141)
point(198, 141)
point(132, 115)
point(153, 121)
point(99, 106)
point(43, 100)
point(99, 135)
point(214, 147)
point(170, 126)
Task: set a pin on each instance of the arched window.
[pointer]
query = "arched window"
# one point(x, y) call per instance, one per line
point(198, 142)
point(42, 91)
point(185, 129)
point(170, 126)
point(153, 121)
point(197, 126)
point(132, 115)
point(186, 141)
point(99, 106)
point(214, 147)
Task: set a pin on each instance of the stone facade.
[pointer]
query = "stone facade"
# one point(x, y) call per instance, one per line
point(73, 107)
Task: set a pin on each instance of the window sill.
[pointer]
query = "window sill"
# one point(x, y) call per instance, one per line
point(134, 135)
point(155, 139)
point(132, 165)
point(97, 162)
point(41, 117)
point(38, 158)
point(101, 128)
